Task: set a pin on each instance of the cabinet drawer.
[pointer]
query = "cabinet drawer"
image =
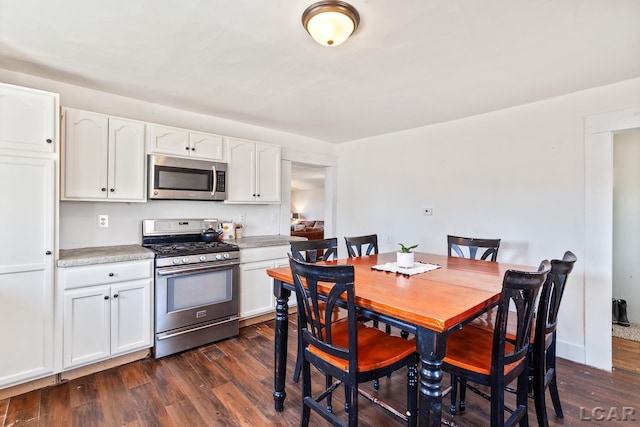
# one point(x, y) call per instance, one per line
point(263, 253)
point(75, 277)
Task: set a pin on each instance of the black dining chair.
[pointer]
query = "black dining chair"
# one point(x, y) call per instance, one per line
point(542, 344)
point(543, 349)
point(361, 245)
point(364, 245)
point(467, 247)
point(315, 250)
point(345, 350)
point(312, 251)
point(475, 355)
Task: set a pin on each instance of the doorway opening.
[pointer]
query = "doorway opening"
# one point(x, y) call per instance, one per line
point(598, 244)
point(308, 200)
point(626, 234)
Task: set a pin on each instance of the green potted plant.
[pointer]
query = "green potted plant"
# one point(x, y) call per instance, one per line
point(405, 256)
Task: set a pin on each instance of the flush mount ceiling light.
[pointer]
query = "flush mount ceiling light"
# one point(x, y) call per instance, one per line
point(330, 22)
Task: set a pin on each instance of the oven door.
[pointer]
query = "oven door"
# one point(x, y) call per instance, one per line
point(190, 295)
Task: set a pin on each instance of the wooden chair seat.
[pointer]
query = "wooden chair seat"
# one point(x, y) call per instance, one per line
point(470, 349)
point(487, 326)
point(486, 322)
point(375, 348)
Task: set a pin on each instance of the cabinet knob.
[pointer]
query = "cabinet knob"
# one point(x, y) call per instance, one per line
point(186, 148)
point(115, 295)
point(106, 297)
point(113, 190)
point(49, 141)
point(48, 253)
point(254, 194)
point(103, 189)
point(258, 195)
point(110, 274)
point(193, 148)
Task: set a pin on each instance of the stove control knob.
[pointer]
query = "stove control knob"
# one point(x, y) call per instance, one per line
point(218, 256)
point(226, 256)
point(176, 261)
point(203, 258)
point(185, 260)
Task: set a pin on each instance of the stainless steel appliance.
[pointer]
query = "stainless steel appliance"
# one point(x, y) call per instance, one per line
point(177, 178)
point(196, 284)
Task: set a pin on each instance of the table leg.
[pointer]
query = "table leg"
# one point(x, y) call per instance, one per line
point(281, 338)
point(431, 347)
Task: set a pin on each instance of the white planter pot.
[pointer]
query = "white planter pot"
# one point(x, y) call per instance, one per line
point(405, 259)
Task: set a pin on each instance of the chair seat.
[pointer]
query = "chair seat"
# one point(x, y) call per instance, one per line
point(376, 349)
point(470, 349)
point(486, 323)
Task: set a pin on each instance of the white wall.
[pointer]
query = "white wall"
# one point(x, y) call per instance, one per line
point(78, 226)
point(309, 203)
point(517, 174)
point(626, 220)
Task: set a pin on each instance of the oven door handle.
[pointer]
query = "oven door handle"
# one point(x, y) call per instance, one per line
point(187, 269)
point(165, 337)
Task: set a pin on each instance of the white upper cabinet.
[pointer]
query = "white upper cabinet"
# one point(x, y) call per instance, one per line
point(28, 119)
point(254, 170)
point(184, 143)
point(103, 158)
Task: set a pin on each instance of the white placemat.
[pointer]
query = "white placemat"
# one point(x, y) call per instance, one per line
point(418, 267)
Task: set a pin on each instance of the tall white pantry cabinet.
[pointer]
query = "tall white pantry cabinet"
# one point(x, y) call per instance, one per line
point(29, 149)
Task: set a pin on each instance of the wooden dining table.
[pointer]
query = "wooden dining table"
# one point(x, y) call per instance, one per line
point(430, 305)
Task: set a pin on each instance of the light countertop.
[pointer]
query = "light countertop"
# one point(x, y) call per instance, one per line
point(120, 253)
point(103, 255)
point(263, 241)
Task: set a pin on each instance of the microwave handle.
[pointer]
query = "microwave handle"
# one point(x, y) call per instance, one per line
point(215, 181)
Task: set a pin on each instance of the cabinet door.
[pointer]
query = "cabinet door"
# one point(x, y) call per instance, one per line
point(268, 172)
point(130, 316)
point(26, 268)
point(126, 160)
point(27, 119)
point(85, 155)
point(168, 140)
point(256, 289)
point(206, 146)
point(26, 326)
point(241, 161)
point(86, 325)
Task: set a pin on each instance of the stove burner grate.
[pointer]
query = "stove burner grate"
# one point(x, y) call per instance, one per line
point(190, 247)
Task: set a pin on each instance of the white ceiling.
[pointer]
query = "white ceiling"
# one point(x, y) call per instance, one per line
point(411, 62)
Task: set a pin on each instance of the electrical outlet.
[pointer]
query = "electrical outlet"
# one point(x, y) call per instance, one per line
point(103, 221)
point(427, 211)
point(242, 218)
point(274, 216)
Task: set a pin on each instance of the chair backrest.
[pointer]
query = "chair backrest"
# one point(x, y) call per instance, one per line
point(551, 296)
point(519, 289)
point(356, 245)
point(337, 282)
point(489, 247)
point(315, 250)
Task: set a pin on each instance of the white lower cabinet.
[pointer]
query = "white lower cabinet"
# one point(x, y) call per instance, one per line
point(256, 288)
point(110, 315)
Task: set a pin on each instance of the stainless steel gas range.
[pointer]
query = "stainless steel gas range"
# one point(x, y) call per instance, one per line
point(196, 284)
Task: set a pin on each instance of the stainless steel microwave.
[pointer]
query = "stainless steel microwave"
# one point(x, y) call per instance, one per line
point(175, 178)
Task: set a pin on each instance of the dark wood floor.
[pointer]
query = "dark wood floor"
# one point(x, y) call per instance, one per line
point(230, 383)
